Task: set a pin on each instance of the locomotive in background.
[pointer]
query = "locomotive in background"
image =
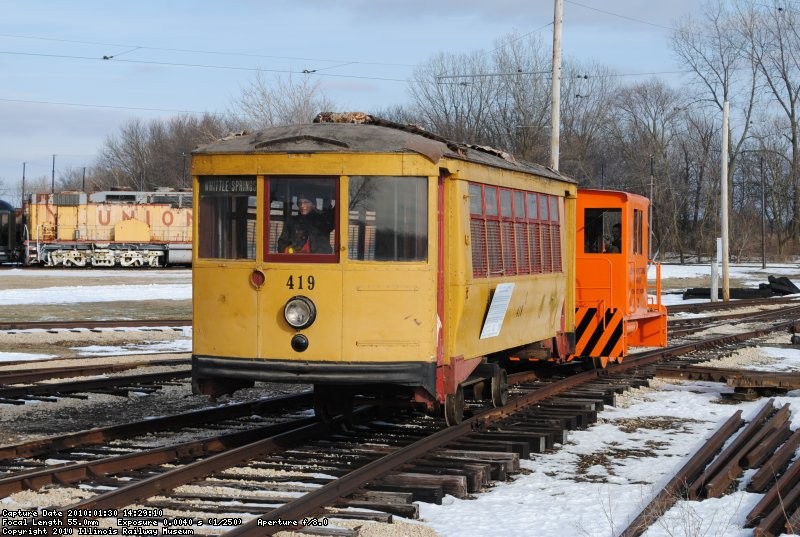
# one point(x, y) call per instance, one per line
point(101, 229)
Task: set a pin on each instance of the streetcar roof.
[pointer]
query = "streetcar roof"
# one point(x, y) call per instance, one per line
point(370, 135)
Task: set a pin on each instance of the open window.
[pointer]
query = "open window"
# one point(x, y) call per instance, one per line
point(603, 231)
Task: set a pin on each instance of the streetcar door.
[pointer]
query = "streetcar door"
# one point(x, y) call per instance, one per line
point(224, 302)
point(389, 286)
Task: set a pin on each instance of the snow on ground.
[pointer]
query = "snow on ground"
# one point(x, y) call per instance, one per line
point(604, 475)
point(173, 285)
point(601, 476)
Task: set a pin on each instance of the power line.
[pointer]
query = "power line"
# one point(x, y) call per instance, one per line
point(619, 15)
point(104, 106)
point(195, 51)
point(198, 65)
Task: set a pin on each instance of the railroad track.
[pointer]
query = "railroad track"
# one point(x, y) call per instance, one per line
point(93, 325)
point(731, 304)
point(679, 328)
point(18, 387)
point(383, 465)
point(15, 376)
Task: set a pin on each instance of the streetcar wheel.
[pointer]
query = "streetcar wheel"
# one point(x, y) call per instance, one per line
point(499, 387)
point(454, 407)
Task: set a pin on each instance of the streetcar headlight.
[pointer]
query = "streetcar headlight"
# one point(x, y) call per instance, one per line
point(299, 312)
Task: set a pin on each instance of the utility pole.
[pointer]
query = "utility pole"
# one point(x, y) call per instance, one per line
point(650, 211)
point(723, 219)
point(22, 204)
point(555, 105)
point(763, 221)
point(53, 177)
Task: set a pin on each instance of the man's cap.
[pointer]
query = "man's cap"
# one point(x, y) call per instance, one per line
point(302, 197)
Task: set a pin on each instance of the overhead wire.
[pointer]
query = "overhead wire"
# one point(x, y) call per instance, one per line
point(197, 65)
point(308, 71)
point(198, 51)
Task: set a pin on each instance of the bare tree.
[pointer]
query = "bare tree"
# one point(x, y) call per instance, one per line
point(698, 148)
point(454, 95)
point(720, 57)
point(587, 105)
point(71, 178)
point(773, 32)
point(281, 100)
point(647, 120)
point(520, 113)
point(148, 156)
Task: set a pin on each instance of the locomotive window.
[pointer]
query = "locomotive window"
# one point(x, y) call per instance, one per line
point(227, 218)
point(302, 217)
point(638, 219)
point(602, 231)
point(388, 219)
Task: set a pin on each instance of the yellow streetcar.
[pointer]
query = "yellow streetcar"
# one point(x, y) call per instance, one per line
point(366, 257)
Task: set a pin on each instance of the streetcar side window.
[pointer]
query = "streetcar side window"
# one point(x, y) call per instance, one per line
point(388, 219)
point(524, 237)
point(227, 219)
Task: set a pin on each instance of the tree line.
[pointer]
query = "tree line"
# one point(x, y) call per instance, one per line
point(643, 136)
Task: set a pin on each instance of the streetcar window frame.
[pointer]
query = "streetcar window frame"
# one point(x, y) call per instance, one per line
point(227, 217)
point(516, 232)
point(281, 202)
point(394, 232)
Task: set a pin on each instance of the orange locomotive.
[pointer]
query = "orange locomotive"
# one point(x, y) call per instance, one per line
point(433, 267)
point(613, 308)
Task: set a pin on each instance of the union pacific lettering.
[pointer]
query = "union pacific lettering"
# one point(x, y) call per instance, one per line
point(167, 217)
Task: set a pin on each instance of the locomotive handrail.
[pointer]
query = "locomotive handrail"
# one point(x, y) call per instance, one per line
point(657, 303)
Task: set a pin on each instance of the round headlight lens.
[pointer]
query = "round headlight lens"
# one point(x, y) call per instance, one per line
point(299, 312)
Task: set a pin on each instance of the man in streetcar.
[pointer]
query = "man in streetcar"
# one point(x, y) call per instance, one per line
point(309, 232)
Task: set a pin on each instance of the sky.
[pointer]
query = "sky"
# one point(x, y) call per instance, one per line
point(558, 495)
point(58, 96)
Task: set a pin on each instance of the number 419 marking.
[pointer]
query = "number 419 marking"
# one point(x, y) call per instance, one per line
point(309, 282)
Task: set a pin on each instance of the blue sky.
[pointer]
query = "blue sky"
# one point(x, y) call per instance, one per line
point(58, 96)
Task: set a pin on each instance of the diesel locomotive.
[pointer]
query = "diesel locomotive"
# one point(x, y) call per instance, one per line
point(119, 228)
point(367, 257)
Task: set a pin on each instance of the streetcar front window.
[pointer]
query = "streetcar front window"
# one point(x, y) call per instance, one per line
point(302, 215)
point(388, 219)
point(227, 217)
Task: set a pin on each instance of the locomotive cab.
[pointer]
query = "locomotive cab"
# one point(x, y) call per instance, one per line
point(614, 309)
